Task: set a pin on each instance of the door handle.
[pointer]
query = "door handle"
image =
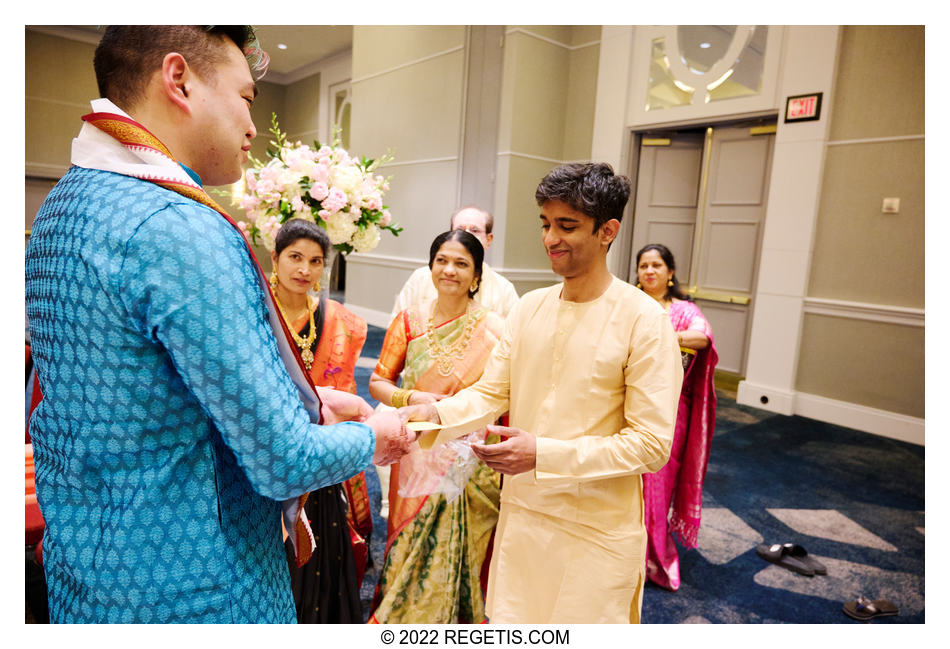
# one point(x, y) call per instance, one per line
point(713, 296)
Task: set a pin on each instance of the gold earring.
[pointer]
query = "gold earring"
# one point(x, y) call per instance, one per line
point(273, 280)
point(316, 286)
point(474, 285)
point(638, 285)
point(670, 283)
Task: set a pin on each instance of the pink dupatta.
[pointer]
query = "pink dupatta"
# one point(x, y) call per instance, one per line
point(696, 428)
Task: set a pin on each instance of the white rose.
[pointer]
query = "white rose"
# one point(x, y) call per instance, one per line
point(346, 178)
point(367, 239)
point(289, 182)
point(340, 228)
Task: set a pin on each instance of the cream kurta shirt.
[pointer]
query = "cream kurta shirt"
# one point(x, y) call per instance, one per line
point(597, 383)
point(495, 294)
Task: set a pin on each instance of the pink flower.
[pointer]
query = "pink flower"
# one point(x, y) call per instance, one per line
point(270, 173)
point(265, 186)
point(249, 202)
point(335, 200)
point(250, 179)
point(319, 173)
point(385, 219)
point(372, 202)
point(319, 191)
point(243, 226)
point(297, 204)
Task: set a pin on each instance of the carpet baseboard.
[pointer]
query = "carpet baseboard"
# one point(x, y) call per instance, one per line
point(864, 418)
point(372, 316)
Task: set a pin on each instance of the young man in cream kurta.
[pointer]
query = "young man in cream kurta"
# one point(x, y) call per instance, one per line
point(590, 373)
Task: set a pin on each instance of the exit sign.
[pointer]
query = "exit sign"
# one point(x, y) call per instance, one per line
point(803, 108)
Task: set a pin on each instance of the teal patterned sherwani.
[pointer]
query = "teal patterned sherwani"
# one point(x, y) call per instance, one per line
point(169, 428)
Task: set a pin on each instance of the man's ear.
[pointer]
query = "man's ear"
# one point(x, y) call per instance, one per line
point(176, 79)
point(609, 231)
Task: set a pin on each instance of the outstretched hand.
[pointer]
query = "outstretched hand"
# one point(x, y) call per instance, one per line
point(337, 406)
point(516, 454)
point(421, 412)
point(392, 437)
point(419, 397)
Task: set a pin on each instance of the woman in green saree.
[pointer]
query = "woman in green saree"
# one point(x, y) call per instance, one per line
point(436, 549)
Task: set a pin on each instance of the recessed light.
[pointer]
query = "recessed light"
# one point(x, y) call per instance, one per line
point(702, 45)
point(281, 46)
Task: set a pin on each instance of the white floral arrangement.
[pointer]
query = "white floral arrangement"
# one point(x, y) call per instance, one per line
point(323, 184)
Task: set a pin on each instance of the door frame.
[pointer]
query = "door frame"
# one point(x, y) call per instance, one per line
point(625, 249)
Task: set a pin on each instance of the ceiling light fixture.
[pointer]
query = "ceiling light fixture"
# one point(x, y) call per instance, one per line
point(281, 46)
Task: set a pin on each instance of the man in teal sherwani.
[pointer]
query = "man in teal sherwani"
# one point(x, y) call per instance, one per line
point(170, 427)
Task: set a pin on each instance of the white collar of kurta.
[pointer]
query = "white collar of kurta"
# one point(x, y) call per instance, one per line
point(95, 149)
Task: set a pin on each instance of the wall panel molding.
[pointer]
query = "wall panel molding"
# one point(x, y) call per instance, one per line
point(529, 156)
point(412, 263)
point(527, 32)
point(379, 73)
point(418, 161)
point(42, 170)
point(84, 106)
point(906, 316)
point(876, 140)
point(386, 261)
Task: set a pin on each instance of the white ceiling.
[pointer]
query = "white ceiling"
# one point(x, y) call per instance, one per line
point(306, 45)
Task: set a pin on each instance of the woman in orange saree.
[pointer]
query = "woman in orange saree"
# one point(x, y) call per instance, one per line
point(436, 547)
point(330, 337)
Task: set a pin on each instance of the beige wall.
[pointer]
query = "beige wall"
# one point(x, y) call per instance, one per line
point(548, 92)
point(301, 110)
point(861, 255)
point(874, 364)
point(60, 82)
point(407, 92)
point(270, 99)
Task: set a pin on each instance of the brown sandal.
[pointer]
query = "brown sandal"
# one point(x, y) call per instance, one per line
point(864, 609)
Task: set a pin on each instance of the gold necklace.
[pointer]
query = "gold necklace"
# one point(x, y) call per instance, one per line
point(306, 353)
point(444, 356)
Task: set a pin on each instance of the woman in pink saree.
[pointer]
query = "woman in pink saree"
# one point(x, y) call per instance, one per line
point(680, 482)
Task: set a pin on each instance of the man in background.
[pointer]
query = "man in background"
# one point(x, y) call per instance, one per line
point(495, 294)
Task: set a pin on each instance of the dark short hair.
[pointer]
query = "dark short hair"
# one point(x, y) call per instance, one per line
point(667, 256)
point(471, 243)
point(590, 188)
point(296, 229)
point(489, 219)
point(128, 55)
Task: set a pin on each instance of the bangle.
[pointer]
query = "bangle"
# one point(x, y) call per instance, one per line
point(400, 398)
point(396, 397)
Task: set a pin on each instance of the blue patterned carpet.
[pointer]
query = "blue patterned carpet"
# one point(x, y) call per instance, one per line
point(853, 500)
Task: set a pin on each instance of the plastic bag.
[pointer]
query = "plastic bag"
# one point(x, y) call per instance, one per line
point(444, 469)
